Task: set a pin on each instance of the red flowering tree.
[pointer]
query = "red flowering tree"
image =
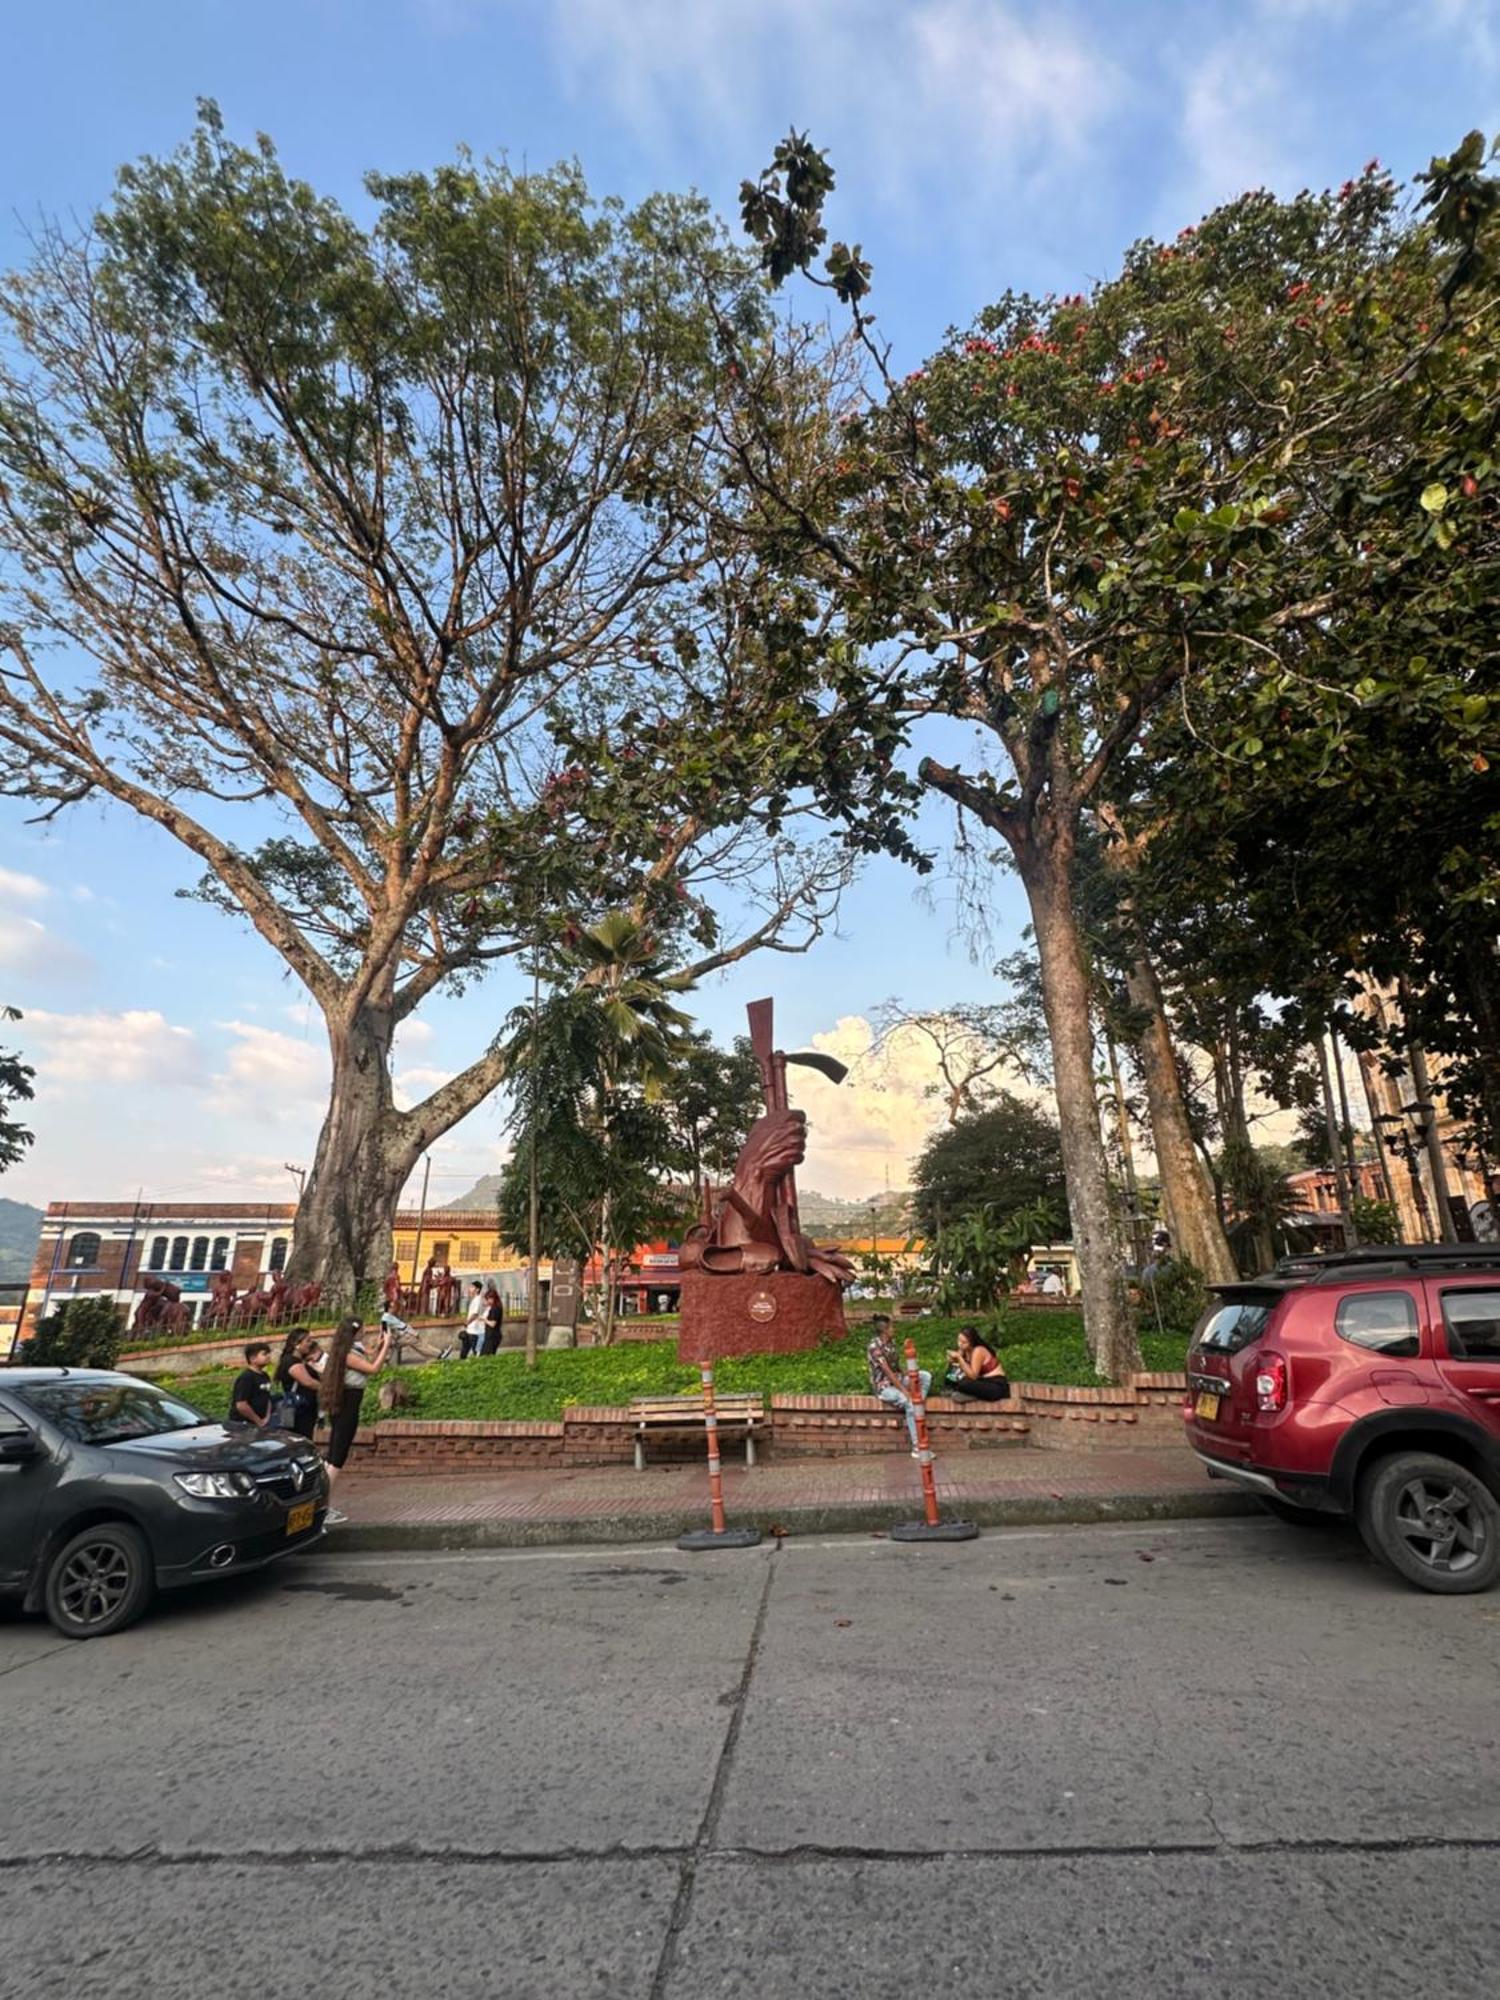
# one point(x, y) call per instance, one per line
point(1081, 515)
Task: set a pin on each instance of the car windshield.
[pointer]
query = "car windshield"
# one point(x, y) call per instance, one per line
point(109, 1412)
point(1228, 1327)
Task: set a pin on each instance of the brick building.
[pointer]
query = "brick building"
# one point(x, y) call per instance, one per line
point(108, 1246)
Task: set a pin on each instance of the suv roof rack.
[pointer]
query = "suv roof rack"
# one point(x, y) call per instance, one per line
point(1379, 1260)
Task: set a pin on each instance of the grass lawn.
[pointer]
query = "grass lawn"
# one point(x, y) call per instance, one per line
point(500, 1386)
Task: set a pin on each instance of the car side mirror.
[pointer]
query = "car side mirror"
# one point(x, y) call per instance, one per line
point(16, 1447)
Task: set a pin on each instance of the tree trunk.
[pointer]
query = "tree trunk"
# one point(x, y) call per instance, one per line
point(1127, 1157)
point(1045, 867)
point(1188, 1199)
point(363, 1160)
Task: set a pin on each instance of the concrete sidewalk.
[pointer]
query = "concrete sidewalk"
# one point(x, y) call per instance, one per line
point(803, 1496)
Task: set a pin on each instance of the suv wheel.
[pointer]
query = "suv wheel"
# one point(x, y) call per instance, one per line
point(99, 1582)
point(1435, 1522)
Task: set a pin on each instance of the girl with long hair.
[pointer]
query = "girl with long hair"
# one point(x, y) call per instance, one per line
point(297, 1379)
point(341, 1387)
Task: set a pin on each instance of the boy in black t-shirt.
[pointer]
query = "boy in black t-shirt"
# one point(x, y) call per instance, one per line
point(250, 1401)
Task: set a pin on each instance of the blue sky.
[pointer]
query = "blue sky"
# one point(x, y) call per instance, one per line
point(978, 143)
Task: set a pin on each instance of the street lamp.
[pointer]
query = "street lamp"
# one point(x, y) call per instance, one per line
point(1399, 1142)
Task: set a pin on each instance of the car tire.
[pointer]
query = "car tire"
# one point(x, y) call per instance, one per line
point(1300, 1517)
point(99, 1581)
point(1433, 1521)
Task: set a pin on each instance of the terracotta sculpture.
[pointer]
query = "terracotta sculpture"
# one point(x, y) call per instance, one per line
point(755, 1228)
point(751, 1281)
point(219, 1311)
point(278, 1298)
point(392, 1289)
point(161, 1310)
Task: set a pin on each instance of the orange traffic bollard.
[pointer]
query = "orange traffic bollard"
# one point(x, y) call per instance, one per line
point(932, 1528)
point(718, 1536)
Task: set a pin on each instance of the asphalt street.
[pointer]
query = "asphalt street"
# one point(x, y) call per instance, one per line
point(1205, 1758)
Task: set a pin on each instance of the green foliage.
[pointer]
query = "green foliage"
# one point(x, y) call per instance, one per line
point(1172, 1302)
point(85, 1333)
point(1033, 1348)
point(972, 1263)
point(15, 1088)
point(1006, 1158)
point(1376, 1221)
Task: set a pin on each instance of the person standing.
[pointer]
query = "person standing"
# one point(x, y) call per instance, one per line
point(341, 1390)
point(474, 1322)
point(297, 1379)
point(886, 1379)
point(494, 1320)
point(250, 1398)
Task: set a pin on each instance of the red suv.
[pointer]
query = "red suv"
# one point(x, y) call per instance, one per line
point(1363, 1382)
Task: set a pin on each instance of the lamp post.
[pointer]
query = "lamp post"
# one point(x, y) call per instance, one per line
point(1399, 1142)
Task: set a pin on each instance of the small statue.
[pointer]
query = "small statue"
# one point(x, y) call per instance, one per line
point(277, 1299)
point(392, 1289)
point(219, 1311)
point(161, 1309)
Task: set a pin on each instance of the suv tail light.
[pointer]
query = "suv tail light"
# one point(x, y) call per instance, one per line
point(1270, 1383)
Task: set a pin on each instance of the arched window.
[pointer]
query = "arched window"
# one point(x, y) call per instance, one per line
point(200, 1253)
point(219, 1261)
point(278, 1253)
point(157, 1261)
point(83, 1252)
point(178, 1260)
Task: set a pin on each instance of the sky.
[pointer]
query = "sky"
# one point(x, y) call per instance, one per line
point(979, 145)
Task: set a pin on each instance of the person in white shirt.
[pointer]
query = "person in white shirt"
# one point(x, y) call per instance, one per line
point(473, 1333)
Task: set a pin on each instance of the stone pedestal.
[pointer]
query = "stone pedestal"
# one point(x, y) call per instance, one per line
point(780, 1313)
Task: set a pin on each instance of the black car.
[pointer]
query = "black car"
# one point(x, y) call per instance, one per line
point(111, 1488)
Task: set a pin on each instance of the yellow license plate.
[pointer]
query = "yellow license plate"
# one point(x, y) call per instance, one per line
point(301, 1517)
point(1207, 1407)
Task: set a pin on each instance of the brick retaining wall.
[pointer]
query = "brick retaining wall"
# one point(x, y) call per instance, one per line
point(1144, 1411)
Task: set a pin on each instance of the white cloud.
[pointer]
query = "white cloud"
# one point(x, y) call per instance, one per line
point(414, 1035)
point(975, 93)
point(18, 888)
point(271, 1076)
point(138, 1046)
point(877, 1120)
point(420, 1081)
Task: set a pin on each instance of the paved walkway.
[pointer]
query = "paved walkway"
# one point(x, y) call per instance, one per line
point(801, 1495)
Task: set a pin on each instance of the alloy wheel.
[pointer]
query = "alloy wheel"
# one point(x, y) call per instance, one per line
point(94, 1583)
point(1440, 1524)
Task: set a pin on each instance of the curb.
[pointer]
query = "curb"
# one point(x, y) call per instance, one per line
point(873, 1517)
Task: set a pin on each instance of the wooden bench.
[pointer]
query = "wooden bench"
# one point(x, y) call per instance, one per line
point(683, 1416)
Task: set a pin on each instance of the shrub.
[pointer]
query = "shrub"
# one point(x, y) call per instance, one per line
point(1376, 1221)
point(85, 1333)
point(1177, 1295)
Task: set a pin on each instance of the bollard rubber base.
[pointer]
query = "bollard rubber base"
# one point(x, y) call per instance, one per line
point(730, 1538)
point(936, 1531)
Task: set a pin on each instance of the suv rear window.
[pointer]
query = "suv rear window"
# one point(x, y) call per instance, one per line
point(1228, 1327)
point(1385, 1322)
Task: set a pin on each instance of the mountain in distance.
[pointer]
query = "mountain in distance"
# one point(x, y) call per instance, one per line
point(821, 1214)
point(482, 1198)
point(20, 1226)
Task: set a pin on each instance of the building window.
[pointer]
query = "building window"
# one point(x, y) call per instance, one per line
point(468, 1253)
point(219, 1261)
point(278, 1253)
point(178, 1259)
point(406, 1246)
point(157, 1261)
point(83, 1252)
point(200, 1254)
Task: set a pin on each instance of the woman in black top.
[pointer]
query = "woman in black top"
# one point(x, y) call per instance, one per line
point(297, 1379)
point(494, 1320)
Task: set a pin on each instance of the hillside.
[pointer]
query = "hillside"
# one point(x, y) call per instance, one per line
point(20, 1226)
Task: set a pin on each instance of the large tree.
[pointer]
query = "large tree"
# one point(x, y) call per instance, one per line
point(1006, 1159)
point(16, 1078)
point(1071, 516)
point(325, 543)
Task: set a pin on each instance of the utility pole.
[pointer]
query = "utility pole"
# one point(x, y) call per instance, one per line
point(416, 1255)
point(533, 1282)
